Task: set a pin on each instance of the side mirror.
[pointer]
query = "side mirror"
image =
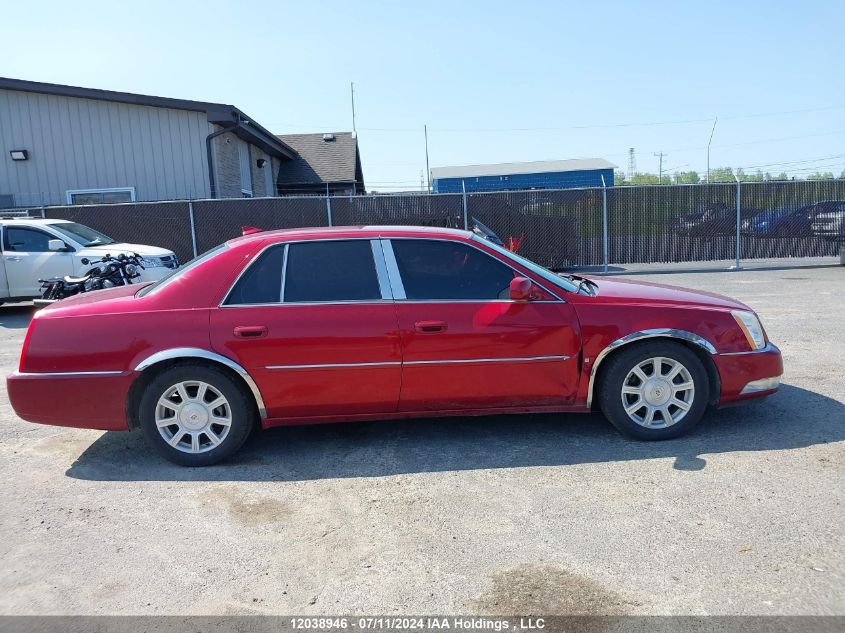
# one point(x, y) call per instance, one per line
point(520, 289)
point(56, 245)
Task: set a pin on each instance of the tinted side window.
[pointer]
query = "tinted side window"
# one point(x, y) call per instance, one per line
point(433, 269)
point(26, 240)
point(331, 271)
point(262, 282)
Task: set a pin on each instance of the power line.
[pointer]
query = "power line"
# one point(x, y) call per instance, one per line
point(580, 127)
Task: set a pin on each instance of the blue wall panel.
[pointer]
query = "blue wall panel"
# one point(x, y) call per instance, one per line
point(550, 180)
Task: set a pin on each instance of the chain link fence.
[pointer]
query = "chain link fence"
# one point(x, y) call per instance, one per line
point(556, 228)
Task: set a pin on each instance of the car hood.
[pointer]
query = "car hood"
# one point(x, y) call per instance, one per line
point(641, 292)
point(123, 247)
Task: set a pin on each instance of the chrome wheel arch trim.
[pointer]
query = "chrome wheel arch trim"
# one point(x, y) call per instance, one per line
point(640, 335)
point(204, 354)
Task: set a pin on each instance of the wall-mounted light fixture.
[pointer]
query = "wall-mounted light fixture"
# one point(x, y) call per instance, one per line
point(261, 162)
point(19, 154)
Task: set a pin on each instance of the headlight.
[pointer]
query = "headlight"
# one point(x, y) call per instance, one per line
point(131, 269)
point(750, 326)
point(151, 262)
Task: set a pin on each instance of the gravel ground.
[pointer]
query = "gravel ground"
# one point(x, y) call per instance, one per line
point(513, 514)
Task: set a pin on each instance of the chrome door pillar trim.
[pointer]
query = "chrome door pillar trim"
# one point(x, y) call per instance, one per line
point(396, 285)
point(196, 352)
point(695, 339)
point(284, 274)
point(381, 270)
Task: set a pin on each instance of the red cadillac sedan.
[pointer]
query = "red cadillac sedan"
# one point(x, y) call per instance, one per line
point(321, 325)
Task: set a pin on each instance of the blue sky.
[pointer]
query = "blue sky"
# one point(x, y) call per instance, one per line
point(494, 81)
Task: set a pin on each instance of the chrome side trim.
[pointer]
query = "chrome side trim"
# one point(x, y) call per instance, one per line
point(64, 374)
point(768, 347)
point(196, 352)
point(421, 362)
point(381, 270)
point(639, 336)
point(396, 285)
point(484, 360)
point(331, 365)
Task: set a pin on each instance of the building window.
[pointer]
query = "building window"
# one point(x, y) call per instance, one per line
point(113, 195)
point(246, 172)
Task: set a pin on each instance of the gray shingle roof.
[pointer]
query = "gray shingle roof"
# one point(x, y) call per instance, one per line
point(321, 161)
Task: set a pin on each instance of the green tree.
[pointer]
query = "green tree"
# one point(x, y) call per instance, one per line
point(722, 174)
point(686, 178)
point(646, 179)
point(817, 175)
point(619, 178)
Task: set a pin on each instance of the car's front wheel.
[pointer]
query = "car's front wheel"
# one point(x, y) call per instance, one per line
point(195, 415)
point(654, 390)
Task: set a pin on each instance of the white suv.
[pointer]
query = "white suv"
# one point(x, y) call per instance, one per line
point(36, 249)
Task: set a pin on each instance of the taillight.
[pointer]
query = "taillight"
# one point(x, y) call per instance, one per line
point(26, 340)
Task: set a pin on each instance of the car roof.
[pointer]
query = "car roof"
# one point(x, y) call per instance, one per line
point(330, 232)
point(25, 220)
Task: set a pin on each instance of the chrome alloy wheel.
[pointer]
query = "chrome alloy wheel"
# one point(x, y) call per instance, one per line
point(658, 393)
point(193, 416)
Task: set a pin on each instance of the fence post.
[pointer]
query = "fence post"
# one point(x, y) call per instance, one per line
point(737, 265)
point(329, 208)
point(43, 212)
point(605, 250)
point(464, 198)
point(193, 226)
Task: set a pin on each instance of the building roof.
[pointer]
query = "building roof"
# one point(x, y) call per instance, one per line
point(509, 169)
point(322, 161)
point(218, 113)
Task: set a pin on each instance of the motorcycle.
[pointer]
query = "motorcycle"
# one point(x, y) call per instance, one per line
point(111, 272)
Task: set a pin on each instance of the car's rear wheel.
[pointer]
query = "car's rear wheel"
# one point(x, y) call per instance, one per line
point(654, 390)
point(195, 415)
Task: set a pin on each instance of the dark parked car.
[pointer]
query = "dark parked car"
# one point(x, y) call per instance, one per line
point(712, 219)
point(791, 221)
point(830, 223)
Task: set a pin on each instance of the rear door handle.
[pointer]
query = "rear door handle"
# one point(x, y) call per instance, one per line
point(251, 331)
point(428, 327)
point(13, 258)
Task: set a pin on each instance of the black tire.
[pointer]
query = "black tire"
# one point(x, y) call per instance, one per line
point(613, 377)
point(241, 411)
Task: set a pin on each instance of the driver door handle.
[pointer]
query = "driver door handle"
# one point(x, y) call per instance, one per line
point(430, 327)
point(250, 331)
point(14, 258)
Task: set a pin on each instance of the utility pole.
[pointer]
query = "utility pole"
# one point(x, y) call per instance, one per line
point(716, 120)
point(660, 157)
point(352, 94)
point(422, 181)
point(427, 168)
point(632, 164)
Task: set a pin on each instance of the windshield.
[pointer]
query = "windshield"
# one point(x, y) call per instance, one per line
point(196, 261)
point(85, 235)
point(545, 273)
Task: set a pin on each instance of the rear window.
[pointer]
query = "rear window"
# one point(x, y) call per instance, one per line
point(262, 281)
point(331, 271)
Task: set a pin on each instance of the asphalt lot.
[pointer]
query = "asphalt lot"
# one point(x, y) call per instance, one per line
point(512, 514)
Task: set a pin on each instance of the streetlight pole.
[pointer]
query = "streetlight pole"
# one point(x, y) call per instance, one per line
point(716, 120)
